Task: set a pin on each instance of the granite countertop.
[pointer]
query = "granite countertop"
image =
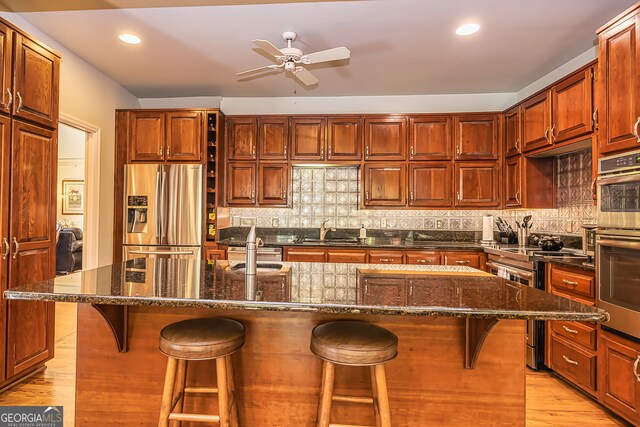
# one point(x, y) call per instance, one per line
point(575, 263)
point(368, 243)
point(454, 291)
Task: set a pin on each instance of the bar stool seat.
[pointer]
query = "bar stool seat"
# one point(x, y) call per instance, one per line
point(354, 343)
point(200, 339)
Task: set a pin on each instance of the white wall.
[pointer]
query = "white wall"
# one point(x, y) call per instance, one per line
point(92, 97)
point(71, 166)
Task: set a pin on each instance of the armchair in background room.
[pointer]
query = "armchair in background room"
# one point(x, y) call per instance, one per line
point(69, 250)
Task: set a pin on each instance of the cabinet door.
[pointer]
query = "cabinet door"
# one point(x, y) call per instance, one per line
point(30, 333)
point(619, 86)
point(308, 138)
point(389, 292)
point(423, 258)
point(384, 185)
point(35, 83)
point(273, 288)
point(512, 132)
point(273, 181)
point(513, 182)
point(430, 184)
point(572, 106)
point(146, 143)
point(347, 255)
point(430, 138)
point(6, 49)
point(242, 138)
point(477, 137)
point(618, 387)
point(273, 138)
point(241, 184)
point(467, 259)
point(386, 257)
point(477, 184)
point(215, 254)
point(344, 141)
point(385, 138)
point(536, 122)
point(305, 255)
point(5, 155)
point(184, 142)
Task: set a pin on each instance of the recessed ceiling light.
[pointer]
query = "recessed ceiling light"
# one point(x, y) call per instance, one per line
point(129, 38)
point(466, 29)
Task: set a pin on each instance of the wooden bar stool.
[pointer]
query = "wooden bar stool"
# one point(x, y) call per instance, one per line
point(200, 339)
point(354, 343)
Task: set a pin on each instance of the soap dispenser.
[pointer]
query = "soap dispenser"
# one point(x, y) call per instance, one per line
point(363, 233)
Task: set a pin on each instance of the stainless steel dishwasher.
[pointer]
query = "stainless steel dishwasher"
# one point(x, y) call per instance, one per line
point(238, 253)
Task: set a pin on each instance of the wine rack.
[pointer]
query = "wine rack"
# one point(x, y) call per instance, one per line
point(211, 178)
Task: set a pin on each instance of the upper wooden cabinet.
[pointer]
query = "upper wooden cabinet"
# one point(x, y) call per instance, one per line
point(157, 136)
point(308, 138)
point(619, 84)
point(385, 184)
point(430, 184)
point(385, 138)
point(241, 184)
point(344, 138)
point(430, 138)
point(477, 184)
point(273, 183)
point(513, 182)
point(572, 106)
point(536, 122)
point(273, 138)
point(477, 137)
point(242, 138)
point(6, 46)
point(512, 132)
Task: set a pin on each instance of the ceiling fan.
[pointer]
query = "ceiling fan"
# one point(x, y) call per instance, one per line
point(293, 60)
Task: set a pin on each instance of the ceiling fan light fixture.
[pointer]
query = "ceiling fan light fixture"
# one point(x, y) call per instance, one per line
point(129, 38)
point(467, 29)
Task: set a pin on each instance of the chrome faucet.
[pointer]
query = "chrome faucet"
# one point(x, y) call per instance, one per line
point(324, 230)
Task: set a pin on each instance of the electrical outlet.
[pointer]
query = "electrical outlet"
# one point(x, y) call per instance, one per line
point(439, 223)
point(383, 223)
point(275, 222)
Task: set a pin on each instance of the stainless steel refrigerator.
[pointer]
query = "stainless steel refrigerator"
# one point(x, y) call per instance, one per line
point(163, 211)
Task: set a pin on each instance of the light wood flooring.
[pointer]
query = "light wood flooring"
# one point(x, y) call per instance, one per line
point(550, 401)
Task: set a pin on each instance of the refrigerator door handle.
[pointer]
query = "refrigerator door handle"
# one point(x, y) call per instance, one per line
point(164, 206)
point(158, 204)
point(185, 252)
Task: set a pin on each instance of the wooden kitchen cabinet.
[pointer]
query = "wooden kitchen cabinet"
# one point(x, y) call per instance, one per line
point(385, 184)
point(273, 138)
point(6, 65)
point(423, 258)
point(477, 184)
point(241, 184)
point(242, 138)
point(572, 283)
point(619, 84)
point(536, 122)
point(477, 137)
point(304, 255)
point(467, 259)
point(572, 106)
point(380, 256)
point(358, 256)
point(430, 137)
point(344, 138)
point(146, 143)
point(215, 254)
point(308, 138)
point(430, 184)
point(388, 292)
point(513, 182)
point(574, 363)
point(618, 385)
point(385, 138)
point(184, 136)
point(273, 183)
point(513, 132)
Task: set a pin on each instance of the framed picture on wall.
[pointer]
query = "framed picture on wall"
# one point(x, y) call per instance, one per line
point(72, 197)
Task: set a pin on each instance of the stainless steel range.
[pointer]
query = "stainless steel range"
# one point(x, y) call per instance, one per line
point(526, 266)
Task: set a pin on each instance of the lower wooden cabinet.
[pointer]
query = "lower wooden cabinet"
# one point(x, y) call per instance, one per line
point(423, 257)
point(355, 256)
point(304, 255)
point(375, 291)
point(386, 257)
point(574, 363)
point(467, 259)
point(618, 376)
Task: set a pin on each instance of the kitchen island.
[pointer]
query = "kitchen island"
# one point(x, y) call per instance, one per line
point(461, 338)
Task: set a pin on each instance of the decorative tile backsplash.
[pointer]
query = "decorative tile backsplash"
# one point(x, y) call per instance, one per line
point(332, 193)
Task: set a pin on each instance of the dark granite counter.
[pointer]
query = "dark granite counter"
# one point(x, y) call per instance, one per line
point(452, 291)
point(575, 263)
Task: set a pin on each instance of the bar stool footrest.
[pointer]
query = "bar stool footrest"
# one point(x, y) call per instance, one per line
point(352, 399)
point(347, 425)
point(210, 390)
point(202, 418)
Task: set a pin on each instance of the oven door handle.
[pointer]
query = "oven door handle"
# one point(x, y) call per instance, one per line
point(517, 273)
point(629, 244)
point(620, 179)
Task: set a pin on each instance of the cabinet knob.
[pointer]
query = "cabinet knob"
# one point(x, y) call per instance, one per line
point(9, 99)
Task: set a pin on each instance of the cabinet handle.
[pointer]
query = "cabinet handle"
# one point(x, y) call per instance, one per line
point(19, 98)
point(463, 261)
point(424, 261)
point(571, 331)
point(458, 150)
point(10, 99)
point(635, 368)
point(253, 195)
point(329, 152)
point(168, 150)
point(160, 151)
point(594, 188)
point(386, 259)
point(284, 195)
point(635, 129)
point(412, 151)
point(566, 359)
point(518, 197)
point(366, 195)
point(322, 153)
point(7, 248)
point(285, 151)
point(366, 148)
point(595, 118)
point(546, 134)
point(517, 145)
point(569, 282)
point(458, 198)
point(553, 133)
point(15, 242)
point(411, 196)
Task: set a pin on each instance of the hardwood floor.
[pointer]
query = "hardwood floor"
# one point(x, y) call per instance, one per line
point(550, 401)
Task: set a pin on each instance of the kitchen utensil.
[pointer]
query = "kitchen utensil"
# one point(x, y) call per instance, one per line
point(526, 219)
point(548, 243)
point(518, 224)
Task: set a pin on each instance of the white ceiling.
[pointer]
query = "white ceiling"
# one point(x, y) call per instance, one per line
point(398, 47)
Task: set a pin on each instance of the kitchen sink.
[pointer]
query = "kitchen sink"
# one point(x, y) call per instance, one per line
point(260, 267)
point(349, 240)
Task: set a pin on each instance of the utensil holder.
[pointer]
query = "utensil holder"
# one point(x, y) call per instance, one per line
point(523, 237)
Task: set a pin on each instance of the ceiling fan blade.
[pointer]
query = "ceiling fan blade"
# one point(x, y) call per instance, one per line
point(255, 70)
point(268, 47)
point(305, 76)
point(334, 54)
